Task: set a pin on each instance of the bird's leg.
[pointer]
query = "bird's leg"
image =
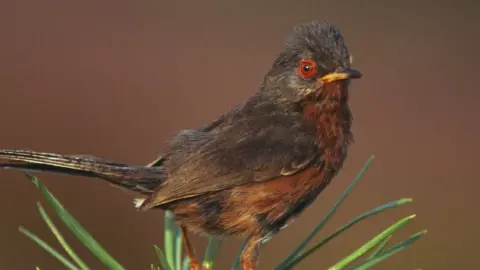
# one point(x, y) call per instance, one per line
point(194, 264)
point(249, 257)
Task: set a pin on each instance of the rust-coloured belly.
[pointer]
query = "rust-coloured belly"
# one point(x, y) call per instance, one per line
point(254, 209)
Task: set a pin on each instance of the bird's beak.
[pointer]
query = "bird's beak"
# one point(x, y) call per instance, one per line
point(343, 74)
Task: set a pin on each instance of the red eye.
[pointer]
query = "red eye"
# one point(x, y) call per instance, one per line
point(307, 68)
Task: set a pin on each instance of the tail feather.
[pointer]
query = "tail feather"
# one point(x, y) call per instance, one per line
point(138, 178)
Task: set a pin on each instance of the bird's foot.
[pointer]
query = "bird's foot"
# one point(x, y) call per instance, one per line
point(195, 265)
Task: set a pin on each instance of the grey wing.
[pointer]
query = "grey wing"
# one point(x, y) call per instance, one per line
point(206, 162)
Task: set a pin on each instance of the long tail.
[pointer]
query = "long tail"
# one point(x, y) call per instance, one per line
point(137, 178)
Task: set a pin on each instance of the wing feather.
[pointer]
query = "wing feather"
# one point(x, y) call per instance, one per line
point(247, 153)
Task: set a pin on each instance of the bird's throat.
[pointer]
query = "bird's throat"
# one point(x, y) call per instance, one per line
point(333, 120)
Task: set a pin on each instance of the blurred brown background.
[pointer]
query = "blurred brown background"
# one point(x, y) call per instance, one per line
point(117, 78)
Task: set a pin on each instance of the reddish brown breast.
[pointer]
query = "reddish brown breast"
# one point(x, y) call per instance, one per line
point(333, 119)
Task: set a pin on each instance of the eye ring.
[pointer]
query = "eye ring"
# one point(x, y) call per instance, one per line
point(307, 68)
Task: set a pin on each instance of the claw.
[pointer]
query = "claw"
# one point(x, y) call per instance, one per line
point(198, 266)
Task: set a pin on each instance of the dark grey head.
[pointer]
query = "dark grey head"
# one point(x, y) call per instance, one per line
point(314, 55)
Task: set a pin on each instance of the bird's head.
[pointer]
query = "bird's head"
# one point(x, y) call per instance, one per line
point(314, 66)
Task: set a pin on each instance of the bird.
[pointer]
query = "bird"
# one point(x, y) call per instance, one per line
point(257, 166)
